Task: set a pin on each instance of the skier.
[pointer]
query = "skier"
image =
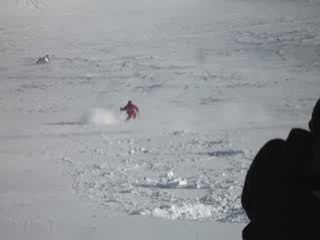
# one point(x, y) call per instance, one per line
point(131, 110)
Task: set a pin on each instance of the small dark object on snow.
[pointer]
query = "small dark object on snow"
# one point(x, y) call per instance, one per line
point(281, 193)
point(43, 60)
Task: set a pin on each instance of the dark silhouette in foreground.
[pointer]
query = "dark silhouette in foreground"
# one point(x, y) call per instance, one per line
point(281, 194)
point(131, 109)
point(43, 60)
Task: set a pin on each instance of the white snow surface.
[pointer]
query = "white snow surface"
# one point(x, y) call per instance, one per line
point(100, 117)
point(214, 80)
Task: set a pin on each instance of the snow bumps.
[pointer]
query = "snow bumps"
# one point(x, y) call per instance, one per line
point(187, 177)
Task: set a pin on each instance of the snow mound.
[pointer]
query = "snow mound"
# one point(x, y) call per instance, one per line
point(100, 117)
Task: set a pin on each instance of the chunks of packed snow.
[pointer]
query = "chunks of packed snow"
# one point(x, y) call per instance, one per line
point(149, 183)
point(185, 211)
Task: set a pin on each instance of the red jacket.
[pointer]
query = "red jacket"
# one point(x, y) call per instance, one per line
point(130, 107)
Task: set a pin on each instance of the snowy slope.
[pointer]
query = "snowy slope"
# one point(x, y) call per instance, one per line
point(213, 79)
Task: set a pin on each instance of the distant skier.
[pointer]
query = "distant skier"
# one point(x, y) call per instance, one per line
point(43, 60)
point(131, 110)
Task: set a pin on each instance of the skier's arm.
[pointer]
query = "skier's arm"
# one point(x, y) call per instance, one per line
point(135, 107)
point(124, 108)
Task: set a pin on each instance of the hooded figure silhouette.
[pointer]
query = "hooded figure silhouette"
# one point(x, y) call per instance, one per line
point(281, 193)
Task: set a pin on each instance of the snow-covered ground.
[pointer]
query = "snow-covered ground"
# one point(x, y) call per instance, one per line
point(214, 80)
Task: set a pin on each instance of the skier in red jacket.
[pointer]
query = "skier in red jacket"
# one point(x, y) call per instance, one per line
point(131, 110)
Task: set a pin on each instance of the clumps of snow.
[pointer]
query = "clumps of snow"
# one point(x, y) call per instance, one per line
point(170, 175)
point(173, 183)
point(178, 133)
point(226, 202)
point(167, 182)
point(100, 117)
point(125, 141)
point(98, 151)
point(137, 150)
point(195, 211)
point(220, 202)
point(164, 182)
point(67, 160)
point(142, 149)
point(185, 211)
